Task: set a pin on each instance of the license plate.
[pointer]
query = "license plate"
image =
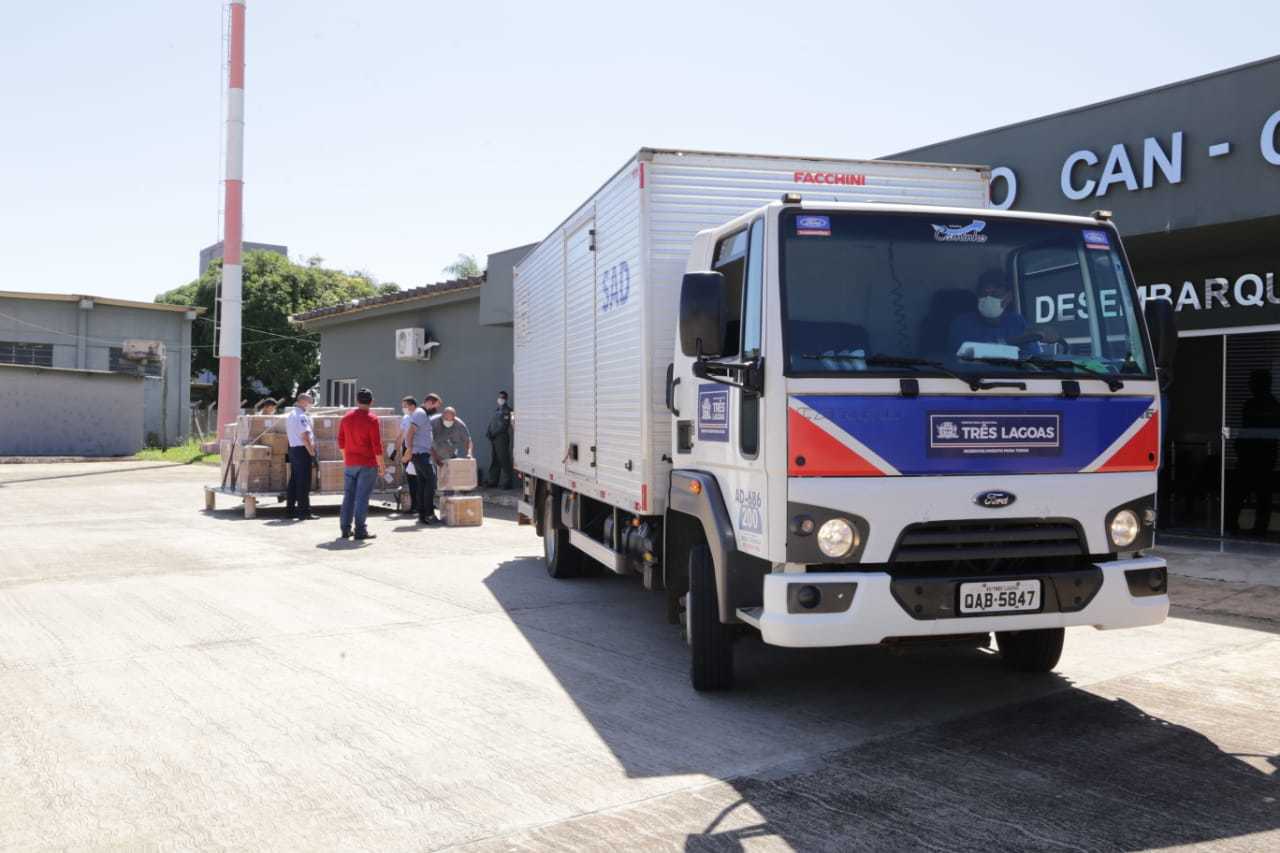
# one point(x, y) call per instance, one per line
point(999, 596)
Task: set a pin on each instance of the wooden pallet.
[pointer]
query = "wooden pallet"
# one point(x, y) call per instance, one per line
point(399, 497)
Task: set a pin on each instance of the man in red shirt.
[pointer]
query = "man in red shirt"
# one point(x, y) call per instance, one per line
point(361, 445)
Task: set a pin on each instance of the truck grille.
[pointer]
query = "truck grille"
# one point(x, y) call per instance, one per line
point(988, 540)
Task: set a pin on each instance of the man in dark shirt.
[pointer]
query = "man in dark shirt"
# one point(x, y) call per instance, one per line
point(361, 444)
point(499, 435)
point(995, 322)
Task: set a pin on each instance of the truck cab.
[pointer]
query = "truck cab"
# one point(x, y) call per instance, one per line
point(894, 422)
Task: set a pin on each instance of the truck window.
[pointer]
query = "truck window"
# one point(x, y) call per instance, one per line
point(730, 260)
point(858, 288)
point(751, 301)
point(749, 404)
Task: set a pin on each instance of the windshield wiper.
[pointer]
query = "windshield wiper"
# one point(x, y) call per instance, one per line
point(1114, 383)
point(975, 383)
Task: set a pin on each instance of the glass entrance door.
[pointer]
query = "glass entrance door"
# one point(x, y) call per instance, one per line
point(1191, 476)
point(1251, 435)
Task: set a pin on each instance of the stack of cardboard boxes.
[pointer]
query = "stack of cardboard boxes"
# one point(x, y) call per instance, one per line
point(459, 475)
point(255, 456)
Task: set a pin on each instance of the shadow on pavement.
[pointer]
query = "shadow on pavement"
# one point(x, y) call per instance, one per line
point(871, 754)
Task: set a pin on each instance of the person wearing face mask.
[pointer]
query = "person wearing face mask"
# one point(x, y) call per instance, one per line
point(995, 321)
point(418, 443)
point(499, 435)
point(450, 438)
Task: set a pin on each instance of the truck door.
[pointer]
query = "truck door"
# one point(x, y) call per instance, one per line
point(580, 349)
point(728, 437)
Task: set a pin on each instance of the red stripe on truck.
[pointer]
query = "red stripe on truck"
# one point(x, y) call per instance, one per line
point(1140, 453)
point(814, 452)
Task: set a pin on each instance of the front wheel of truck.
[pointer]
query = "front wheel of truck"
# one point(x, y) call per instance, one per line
point(1031, 651)
point(710, 641)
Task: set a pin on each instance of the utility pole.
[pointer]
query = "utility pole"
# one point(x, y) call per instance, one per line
point(233, 227)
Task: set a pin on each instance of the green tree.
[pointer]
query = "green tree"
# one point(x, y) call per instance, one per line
point(273, 351)
point(466, 266)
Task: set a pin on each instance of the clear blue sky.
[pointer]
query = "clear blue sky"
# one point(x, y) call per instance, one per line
point(389, 135)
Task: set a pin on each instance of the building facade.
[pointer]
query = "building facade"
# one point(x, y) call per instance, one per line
point(92, 336)
point(466, 338)
point(209, 254)
point(1191, 173)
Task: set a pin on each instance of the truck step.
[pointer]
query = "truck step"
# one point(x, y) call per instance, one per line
point(610, 559)
point(751, 615)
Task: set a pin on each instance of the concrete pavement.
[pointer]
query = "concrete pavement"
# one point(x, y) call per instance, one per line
point(175, 678)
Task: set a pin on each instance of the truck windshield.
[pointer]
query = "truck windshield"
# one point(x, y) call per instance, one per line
point(895, 292)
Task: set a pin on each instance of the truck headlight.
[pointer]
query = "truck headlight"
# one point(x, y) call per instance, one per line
point(1124, 528)
point(836, 538)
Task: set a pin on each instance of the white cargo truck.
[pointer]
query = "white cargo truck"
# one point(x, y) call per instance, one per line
point(840, 403)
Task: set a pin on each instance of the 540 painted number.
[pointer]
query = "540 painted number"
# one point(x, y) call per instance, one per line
point(615, 286)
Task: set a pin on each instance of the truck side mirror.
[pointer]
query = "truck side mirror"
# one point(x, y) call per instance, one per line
point(702, 314)
point(1164, 334)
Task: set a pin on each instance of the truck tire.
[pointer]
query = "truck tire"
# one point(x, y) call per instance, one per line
point(710, 642)
point(1031, 651)
point(562, 559)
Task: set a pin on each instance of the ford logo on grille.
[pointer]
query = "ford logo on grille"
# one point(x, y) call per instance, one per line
point(995, 499)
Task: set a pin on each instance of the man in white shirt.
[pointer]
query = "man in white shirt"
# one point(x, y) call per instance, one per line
point(302, 450)
point(408, 405)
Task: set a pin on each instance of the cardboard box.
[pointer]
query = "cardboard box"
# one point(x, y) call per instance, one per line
point(456, 475)
point(278, 442)
point(255, 452)
point(279, 474)
point(389, 428)
point(250, 427)
point(325, 427)
point(463, 510)
point(327, 451)
point(331, 475)
point(254, 476)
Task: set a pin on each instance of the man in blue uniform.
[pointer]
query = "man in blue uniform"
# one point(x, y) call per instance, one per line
point(995, 321)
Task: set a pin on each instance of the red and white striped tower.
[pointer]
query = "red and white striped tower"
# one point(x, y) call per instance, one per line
point(232, 271)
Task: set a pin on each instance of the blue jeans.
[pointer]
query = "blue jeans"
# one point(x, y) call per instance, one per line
point(357, 485)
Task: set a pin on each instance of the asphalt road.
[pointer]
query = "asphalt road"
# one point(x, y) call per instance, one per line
point(179, 679)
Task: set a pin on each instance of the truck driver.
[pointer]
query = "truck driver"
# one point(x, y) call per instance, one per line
point(995, 321)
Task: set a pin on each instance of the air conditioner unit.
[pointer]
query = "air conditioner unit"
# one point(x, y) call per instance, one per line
point(413, 345)
point(137, 350)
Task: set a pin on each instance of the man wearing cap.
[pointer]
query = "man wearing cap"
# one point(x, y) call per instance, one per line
point(361, 444)
point(302, 450)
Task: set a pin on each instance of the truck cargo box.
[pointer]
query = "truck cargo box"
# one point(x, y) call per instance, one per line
point(595, 303)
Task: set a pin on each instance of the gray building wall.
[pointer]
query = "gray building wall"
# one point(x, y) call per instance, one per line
point(211, 253)
point(82, 338)
point(36, 404)
point(472, 363)
point(495, 295)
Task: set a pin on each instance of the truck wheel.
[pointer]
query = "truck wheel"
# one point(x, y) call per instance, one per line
point(562, 559)
point(1031, 651)
point(710, 642)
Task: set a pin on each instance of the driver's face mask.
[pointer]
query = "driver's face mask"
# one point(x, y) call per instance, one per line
point(991, 307)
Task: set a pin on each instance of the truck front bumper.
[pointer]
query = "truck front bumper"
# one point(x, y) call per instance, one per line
point(874, 614)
